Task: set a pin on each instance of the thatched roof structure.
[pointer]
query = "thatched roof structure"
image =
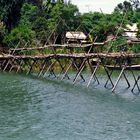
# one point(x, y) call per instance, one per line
point(76, 35)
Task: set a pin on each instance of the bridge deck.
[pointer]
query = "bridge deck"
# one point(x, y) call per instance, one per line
point(70, 46)
point(38, 63)
point(75, 55)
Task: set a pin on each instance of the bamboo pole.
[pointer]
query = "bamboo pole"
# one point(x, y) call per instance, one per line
point(93, 74)
point(120, 75)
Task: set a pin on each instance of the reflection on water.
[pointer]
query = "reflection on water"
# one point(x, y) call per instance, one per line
point(35, 109)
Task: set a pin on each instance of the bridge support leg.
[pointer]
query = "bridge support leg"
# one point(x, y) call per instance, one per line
point(65, 73)
point(6, 65)
point(50, 69)
point(113, 89)
point(127, 81)
point(125, 65)
point(20, 66)
point(110, 74)
point(62, 69)
point(12, 63)
point(31, 67)
point(107, 72)
point(80, 71)
point(93, 75)
point(41, 70)
point(136, 84)
point(77, 68)
point(92, 71)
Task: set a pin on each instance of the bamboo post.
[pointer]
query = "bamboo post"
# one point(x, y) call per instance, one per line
point(31, 67)
point(92, 70)
point(20, 66)
point(113, 89)
point(136, 84)
point(41, 71)
point(49, 68)
point(65, 73)
point(62, 68)
point(79, 71)
point(93, 74)
point(110, 74)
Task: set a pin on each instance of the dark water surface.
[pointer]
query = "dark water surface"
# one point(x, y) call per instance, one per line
point(35, 109)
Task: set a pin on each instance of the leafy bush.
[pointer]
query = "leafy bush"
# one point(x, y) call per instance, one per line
point(21, 34)
point(29, 13)
point(40, 26)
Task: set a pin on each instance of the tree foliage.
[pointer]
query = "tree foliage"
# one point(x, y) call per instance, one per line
point(10, 12)
point(27, 20)
point(21, 34)
point(2, 32)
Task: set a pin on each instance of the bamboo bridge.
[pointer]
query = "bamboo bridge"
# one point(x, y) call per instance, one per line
point(58, 64)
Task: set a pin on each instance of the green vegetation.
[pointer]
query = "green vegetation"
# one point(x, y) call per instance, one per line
point(41, 21)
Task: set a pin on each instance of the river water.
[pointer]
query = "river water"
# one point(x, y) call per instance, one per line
point(40, 109)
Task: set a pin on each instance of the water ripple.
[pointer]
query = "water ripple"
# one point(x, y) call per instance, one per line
point(32, 109)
